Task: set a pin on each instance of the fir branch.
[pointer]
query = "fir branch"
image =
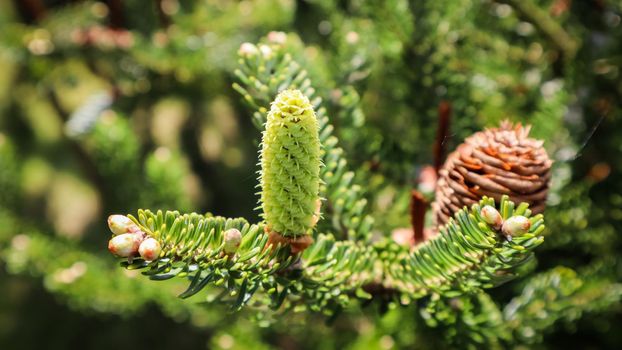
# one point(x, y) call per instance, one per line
point(469, 254)
point(340, 269)
point(264, 71)
point(193, 246)
point(557, 295)
point(468, 321)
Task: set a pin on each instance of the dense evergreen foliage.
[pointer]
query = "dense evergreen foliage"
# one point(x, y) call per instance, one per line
point(156, 110)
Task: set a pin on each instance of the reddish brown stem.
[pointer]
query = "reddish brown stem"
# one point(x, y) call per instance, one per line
point(444, 117)
point(418, 208)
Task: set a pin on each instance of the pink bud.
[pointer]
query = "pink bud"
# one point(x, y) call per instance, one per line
point(149, 249)
point(120, 224)
point(516, 225)
point(124, 245)
point(232, 238)
point(492, 216)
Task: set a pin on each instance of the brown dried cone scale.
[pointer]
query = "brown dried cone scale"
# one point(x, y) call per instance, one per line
point(494, 162)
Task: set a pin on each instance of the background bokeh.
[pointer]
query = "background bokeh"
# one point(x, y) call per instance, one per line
point(110, 106)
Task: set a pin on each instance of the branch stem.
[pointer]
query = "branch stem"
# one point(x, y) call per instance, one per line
point(418, 208)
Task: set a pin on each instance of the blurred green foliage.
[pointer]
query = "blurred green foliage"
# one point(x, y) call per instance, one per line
point(108, 106)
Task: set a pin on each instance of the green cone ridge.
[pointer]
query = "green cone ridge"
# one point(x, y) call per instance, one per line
point(290, 164)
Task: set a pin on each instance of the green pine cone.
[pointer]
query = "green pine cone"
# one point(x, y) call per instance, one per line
point(290, 165)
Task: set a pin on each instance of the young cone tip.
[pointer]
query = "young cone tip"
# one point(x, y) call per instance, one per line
point(290, 162)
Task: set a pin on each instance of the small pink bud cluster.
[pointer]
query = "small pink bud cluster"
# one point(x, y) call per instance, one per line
point(514, 226)
point(129, 240)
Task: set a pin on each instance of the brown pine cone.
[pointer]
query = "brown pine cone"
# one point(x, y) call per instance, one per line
point(492, 163)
